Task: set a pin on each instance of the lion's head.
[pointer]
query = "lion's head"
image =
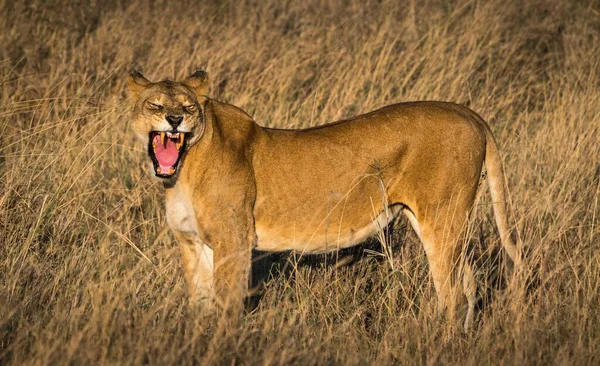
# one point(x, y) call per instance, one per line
point(168, 117)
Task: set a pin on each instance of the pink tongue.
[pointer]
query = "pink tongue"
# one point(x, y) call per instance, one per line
point(166, 155)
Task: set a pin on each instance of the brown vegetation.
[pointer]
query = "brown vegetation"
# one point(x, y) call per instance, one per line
point(88, 275)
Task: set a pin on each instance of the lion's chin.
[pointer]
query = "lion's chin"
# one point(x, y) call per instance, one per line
point(166, 150)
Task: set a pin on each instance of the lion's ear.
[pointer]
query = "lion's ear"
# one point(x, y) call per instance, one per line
point(137, 82)
point(198, 82)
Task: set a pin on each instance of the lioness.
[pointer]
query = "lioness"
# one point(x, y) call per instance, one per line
point(232, 185)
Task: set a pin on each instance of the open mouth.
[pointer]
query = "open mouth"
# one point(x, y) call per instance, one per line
point(166, 149)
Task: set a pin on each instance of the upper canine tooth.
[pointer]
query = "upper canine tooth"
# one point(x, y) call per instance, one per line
point(163, 138)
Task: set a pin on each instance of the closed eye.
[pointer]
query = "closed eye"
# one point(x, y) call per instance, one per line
point(189, 108)
point(155, 106)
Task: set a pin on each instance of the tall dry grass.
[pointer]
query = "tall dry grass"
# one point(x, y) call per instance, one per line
point(88, 275)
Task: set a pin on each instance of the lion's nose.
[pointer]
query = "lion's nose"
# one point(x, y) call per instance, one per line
point(174, 120)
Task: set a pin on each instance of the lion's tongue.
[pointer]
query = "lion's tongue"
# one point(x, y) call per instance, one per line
point(166, 154)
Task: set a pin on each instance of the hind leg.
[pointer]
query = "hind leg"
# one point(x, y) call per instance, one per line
point(470, 291)
point(440, 231)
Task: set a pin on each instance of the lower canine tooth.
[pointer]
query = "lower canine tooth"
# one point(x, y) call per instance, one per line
point(172, 171)
point(159, 170)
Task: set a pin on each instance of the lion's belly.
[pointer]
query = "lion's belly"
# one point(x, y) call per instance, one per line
point(320, 239)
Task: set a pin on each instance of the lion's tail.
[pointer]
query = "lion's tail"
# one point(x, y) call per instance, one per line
point(496, 181)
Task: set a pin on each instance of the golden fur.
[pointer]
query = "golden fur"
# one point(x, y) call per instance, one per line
point(241, 186)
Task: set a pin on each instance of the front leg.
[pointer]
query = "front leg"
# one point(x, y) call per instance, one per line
point(198, 268)
point(232, 260)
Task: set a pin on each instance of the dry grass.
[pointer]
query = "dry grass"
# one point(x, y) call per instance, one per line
point(75, 205)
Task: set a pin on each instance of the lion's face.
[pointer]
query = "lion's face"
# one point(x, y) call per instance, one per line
point(168, 117)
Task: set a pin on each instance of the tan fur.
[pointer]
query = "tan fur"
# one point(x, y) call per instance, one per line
point(242, 186)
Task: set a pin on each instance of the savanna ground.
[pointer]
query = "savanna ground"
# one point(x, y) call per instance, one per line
point(89, 275)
